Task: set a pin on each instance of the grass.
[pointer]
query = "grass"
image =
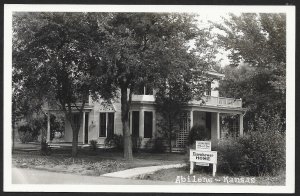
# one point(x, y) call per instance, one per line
point(89, 162)
point(204, 176)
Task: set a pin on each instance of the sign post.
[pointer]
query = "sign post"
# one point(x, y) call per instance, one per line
point(203, 156)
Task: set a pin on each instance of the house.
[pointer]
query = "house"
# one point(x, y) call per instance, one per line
point(102, 119)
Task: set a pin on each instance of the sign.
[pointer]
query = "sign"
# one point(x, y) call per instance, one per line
point(203, 145)
point(203, 156)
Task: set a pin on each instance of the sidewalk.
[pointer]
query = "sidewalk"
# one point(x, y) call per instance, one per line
point(32, 176)
point(139, 171)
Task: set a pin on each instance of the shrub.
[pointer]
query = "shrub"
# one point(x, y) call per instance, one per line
point(136, 143)
point(45, 149)
point(116, 141)
point(26, 134)
point(158, 145)
point(93, 144)
point(198, 132)
point(254, 154)
point(230, 155)
point(25, 137)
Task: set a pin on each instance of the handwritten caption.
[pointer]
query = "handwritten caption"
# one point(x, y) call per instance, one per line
point(223, 179)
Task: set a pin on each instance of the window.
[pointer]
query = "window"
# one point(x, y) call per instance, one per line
point(110, 124)
point(148, 90)
point(143, 90)
point(208, 88)
point(148, 125)
point(140, 90)
point(135, 123)
point(102, 132)
point(106, 127)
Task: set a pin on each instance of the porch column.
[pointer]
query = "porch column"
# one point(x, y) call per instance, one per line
point(192, 120)
point(241, 121)
point(130, 122)
point(141, 128)
point(83, 128)
point(218, 125)
point(48, 128)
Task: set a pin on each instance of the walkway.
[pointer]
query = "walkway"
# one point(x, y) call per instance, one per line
point(32, 176)
point(139, 171)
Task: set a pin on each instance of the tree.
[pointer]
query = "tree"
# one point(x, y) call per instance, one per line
point(136, 46)
point(25, 105)
point(257, 43)
point(171, 98)
point(182, 81)
point(56, 54)
point(63, 54)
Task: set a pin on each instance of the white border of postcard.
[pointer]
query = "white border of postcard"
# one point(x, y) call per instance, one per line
point(290, 107)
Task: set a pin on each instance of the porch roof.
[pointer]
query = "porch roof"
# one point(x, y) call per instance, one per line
point(220, 109)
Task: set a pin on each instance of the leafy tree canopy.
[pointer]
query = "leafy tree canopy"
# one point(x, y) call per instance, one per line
point(257, 46)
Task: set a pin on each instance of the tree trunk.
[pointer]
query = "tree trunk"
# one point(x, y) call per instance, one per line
point(170, 137)
point(170, 142)
point(125, 125)
point(75, 126)
point(75, 142)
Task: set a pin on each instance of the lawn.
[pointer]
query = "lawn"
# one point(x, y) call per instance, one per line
point(89, 162)
point(182, 176)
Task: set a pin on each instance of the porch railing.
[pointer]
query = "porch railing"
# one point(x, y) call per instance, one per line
point(220, 101)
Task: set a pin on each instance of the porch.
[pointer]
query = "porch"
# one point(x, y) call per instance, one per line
point(219, 102)
point(211, 121)
point(205, 100)
point(64, 139)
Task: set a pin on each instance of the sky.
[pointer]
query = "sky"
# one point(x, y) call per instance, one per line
point(203, 21)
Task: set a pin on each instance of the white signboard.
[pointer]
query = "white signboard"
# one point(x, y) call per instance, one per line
point(203, 156)
point(203, 145)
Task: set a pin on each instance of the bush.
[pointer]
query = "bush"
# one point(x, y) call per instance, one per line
point(254, 154)
point(155, 145)
point(45, 149)
point(26, 137)
point(158, 145)
point(116, 141)
point(198, 132)
point(26, 134)
point(93, 144)
point(136, 143)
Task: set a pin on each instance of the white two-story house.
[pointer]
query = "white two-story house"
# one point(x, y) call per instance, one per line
point(102, 119)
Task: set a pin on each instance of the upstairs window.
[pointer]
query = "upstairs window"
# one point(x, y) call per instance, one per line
point(148, 90)
point(143, 90)
point(208, 88)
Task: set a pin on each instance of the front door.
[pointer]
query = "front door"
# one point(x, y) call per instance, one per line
point(86, 129)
